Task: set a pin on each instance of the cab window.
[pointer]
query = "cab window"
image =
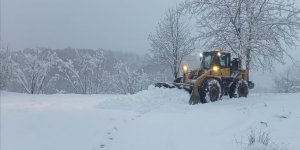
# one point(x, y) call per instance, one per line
point(224, 61)
point(207, 61)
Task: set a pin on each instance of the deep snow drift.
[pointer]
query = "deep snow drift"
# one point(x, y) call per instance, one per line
point(154, 119)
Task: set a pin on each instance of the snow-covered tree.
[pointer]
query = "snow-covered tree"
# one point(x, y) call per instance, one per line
point(32, 67)
point(77, 71)
point(85, 71)
point(100, 76)
point(172, 41)
point(82, 71)
point(127, 80)
point(288, 81)
point(5, 68)
point(257, 31)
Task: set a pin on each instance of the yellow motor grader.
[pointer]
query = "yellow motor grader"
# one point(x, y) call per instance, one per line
point(218, 75)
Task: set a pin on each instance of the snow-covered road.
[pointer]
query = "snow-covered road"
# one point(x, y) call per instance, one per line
point(155, 119)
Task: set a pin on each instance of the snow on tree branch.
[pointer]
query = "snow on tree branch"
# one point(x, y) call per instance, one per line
point(172, 41)
point(258, 31)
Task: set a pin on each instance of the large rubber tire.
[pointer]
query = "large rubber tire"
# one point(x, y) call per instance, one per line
point(232, 90)
point(242, 89)
point(210, 91)
point(239, 88)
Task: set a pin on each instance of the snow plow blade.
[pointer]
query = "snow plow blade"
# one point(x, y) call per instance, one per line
point(186, 87)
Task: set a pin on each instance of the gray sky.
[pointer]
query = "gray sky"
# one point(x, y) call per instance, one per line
point(110, 24)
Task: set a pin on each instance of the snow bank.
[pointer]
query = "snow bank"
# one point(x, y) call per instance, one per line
point(147, 100)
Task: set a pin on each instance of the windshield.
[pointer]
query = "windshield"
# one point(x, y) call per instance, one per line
point(207, 61)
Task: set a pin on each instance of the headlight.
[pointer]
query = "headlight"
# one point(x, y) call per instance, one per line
point(185, 69)
point(215, 68)
point(201, 55)
point(219, 54)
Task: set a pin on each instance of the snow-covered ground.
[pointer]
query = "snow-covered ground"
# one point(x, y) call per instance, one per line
point(154, 119)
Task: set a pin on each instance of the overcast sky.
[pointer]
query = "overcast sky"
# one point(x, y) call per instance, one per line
point(110, 24)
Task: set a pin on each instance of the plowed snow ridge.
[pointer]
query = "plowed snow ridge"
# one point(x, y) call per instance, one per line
point(147, 100)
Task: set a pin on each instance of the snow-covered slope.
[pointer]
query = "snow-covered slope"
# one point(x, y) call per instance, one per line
point(154, 119)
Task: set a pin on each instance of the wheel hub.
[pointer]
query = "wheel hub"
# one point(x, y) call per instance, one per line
point(214, 94)
point(242, 91)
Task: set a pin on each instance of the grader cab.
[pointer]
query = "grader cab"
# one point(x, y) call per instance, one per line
point(217, 76)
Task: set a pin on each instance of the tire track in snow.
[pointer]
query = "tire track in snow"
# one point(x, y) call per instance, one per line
point(110, 135)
